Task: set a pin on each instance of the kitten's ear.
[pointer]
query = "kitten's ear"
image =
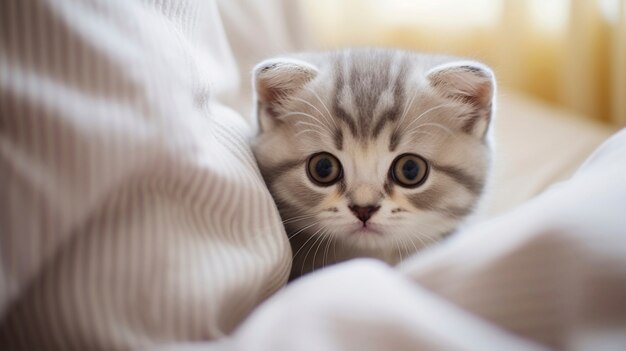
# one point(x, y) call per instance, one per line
point(274, 81)
point(471, 83)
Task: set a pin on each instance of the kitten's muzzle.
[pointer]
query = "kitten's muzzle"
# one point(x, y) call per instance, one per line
point(363, 212)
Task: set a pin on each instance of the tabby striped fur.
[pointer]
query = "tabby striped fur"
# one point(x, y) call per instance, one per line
point(367, 106)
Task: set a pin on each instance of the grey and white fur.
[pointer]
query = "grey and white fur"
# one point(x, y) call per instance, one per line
point(373, 120)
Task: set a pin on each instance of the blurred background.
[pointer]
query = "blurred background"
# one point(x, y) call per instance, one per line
point(568, 53)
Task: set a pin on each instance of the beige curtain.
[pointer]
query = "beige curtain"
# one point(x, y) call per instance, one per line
point(571, 53)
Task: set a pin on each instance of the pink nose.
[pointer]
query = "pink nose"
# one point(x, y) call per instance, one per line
point(363, 212)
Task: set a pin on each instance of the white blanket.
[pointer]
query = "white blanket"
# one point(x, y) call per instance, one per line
point(550, 274)
point(132, 214)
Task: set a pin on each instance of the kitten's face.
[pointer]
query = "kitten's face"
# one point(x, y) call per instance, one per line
point(379, 150)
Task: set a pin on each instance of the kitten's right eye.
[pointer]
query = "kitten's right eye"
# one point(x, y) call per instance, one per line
point(324, 169)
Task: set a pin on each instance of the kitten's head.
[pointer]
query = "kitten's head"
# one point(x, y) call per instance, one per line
point(375, 148)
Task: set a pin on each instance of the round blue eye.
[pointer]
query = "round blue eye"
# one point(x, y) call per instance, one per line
point(324, 168)
point(410, 169)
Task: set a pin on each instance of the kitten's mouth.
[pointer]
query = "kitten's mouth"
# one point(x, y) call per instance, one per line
point(366, 229)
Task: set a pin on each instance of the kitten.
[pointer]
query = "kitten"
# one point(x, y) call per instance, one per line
point(371, 152)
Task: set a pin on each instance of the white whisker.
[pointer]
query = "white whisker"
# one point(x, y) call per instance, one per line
point(298, 113)
point(310, 124)
point(413, 243)
point(310, 131)
point(309, 239)
point(305, 228)
point(330, 115)
point(318, 239)
point(406, 109)
point(424, 237)
point(420, 132)
point(324, 259)
point(310, 104)
point(437, 125)
point(406, 248)
point(427, 112)
point(298, 218)
point(398, 247)
point(325, 237)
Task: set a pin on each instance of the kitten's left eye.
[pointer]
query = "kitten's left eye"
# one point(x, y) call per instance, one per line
point(324, 169)
point(409, 170)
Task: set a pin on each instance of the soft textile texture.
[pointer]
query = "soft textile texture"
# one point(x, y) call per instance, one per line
point(536, 145)
point(551, 273)
point(132, 211)
point(132, 215)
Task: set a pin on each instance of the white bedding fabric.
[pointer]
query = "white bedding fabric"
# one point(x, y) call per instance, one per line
point(132, 215)
point(549, 274)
